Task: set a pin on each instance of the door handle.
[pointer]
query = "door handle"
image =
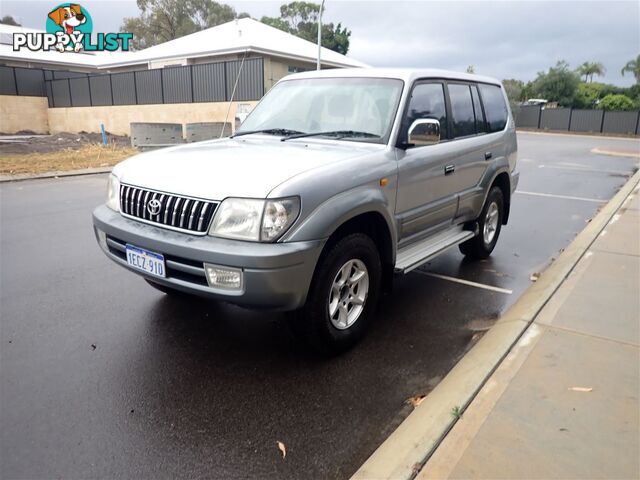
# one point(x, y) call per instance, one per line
point(449, 169)
point(488, 155)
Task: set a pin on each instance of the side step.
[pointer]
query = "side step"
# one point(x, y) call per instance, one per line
point(416, 254)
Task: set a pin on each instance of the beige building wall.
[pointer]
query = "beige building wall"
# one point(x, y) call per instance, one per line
point(116, 119)
point(23, 113)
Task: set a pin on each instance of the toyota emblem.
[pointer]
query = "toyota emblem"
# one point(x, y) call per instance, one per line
point(153, 207)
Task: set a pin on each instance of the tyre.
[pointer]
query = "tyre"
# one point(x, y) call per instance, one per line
point(166, 290)
point(490, 224)
point(342, 297)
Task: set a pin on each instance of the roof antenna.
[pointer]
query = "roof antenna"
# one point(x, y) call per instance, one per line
point(233, 93)
point(319, 34)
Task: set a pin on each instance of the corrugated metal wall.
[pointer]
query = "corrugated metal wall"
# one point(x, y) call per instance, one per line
point(123, 86)
point(101, 90)
point(80, 93)
point(586, 120)
point(209, 82)
point(620, 122)
point(528, 116)
point(7, 81)
point(176, 83)
point(555, 118)
point(149, 86)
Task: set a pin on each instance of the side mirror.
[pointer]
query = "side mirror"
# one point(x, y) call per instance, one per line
point(424, 131)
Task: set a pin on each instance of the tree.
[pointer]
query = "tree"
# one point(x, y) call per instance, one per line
point(616, 102)
point(514, 89)
point(559, 84)
point(471, 69)
point(633, 67)
point(588, 95)
point(301, 19)
point(589, 69)
point(9, 20)
point(163, 20)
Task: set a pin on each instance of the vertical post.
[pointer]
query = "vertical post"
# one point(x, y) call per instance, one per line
point(15, 79)
point(135, 87)
point(539, 117)
point(111, 88)
point(70, 95)
point(162, 84)
point(104, 134)
point(226, 93)
point(570, 116)
point(90, 96)
point(319, 34)
point(191, 78)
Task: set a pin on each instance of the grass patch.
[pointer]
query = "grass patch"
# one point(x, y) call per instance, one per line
point(87, 156)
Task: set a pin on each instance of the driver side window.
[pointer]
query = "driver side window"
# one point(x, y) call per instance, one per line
point(427, 101)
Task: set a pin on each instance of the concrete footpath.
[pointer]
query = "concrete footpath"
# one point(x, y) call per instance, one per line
point(564, 403)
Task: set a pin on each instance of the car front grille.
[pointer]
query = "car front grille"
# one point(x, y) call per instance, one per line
point(172, 211)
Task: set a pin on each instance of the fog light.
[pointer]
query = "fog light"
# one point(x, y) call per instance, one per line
point(223, 277)
point(102, 239)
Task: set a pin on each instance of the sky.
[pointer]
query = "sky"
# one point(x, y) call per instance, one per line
point(502, 39)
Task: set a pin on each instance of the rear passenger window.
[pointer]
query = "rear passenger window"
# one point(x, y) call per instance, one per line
point(464, 122)
point(477, 108)
point(495, 107)
point(427, 101)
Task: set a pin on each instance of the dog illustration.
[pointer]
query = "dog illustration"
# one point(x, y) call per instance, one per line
point(68, 18)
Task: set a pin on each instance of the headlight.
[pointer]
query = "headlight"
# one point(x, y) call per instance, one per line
point(113, 193)
point(253, 219)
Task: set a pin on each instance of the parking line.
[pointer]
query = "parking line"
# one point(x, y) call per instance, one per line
point(466, 282)
point(564, 197)
point(581, 168)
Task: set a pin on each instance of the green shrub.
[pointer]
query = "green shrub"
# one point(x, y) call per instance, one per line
point(616, 102)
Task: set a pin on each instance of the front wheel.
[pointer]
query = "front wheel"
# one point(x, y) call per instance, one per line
point(342, 297)
point(490, 223)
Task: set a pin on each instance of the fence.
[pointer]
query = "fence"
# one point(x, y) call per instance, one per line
point(577, 120)
point(208, 82)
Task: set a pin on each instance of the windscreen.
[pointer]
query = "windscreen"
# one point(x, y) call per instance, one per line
point(329, 104)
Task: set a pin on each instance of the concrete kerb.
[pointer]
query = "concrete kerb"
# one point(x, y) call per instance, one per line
point(38, 176)
point(408, 448)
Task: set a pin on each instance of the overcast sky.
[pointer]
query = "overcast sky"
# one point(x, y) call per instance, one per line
point(503, 39)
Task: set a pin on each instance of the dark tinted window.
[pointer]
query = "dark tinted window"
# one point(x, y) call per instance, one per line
point(477, 108)
point(427, 101)
point(495, 107)
point(464, 122)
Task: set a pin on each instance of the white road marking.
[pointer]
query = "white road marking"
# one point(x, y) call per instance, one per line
point(583, 169)
point(466, 282)
point(564, 197)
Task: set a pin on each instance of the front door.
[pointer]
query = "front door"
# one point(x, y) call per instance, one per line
point(427, 192)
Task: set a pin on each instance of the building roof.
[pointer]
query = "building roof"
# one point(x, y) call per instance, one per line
point(234, 37)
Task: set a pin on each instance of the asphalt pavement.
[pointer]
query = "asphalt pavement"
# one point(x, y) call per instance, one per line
point(102, 376)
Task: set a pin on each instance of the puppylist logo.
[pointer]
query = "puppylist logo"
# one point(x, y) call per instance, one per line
point(68, 29)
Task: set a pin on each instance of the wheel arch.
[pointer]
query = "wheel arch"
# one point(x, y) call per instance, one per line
point(503, 182)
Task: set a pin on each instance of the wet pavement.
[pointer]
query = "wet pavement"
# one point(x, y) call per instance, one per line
point(102, 376)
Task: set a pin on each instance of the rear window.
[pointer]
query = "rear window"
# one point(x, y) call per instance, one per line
point(462, 111)
point(495, 107)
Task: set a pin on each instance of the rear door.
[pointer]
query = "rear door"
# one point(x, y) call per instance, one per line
point(473, 152)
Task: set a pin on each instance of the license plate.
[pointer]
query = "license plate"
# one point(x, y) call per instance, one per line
point(150, 262)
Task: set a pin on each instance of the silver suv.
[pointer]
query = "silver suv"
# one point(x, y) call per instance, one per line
point(337, 181)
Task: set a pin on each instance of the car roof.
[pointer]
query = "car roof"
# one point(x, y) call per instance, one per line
point(406, 74)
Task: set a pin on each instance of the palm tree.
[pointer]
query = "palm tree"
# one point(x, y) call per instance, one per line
point(633, 67)
point(589, 69)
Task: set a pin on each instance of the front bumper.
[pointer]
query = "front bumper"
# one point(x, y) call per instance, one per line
point(276, 275)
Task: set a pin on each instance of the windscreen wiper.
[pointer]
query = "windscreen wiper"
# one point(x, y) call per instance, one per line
point(338, 133)
point(270, 131)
